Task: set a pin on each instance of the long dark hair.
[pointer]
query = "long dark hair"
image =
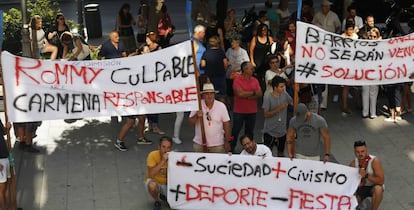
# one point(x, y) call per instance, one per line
point(125, 18)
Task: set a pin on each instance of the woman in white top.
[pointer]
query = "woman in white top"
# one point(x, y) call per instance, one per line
point(42, 44)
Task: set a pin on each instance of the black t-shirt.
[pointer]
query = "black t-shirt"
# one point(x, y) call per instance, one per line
point(214, 62)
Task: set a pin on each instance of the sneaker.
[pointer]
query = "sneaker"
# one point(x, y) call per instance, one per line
point(163, 197)
point(398, 118)
point(389, 119)
point(373, 116)
point(346, 113)
point(120, 145)
point(143, 140)
point(31, 149)
point(335, 98)
point(158, 131)
point(157, 205)
point(177, 140)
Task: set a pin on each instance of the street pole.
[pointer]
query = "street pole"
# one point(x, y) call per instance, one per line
point(26, 49)
point(80, 17)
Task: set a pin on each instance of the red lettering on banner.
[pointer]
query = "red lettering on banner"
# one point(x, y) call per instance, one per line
point(400, 39)
point(65, 74)
point(401, 52)
point(278, 170)
point(380, 74)
point(319, 52)
point(299, 199)
point(249, 196)
point(135, 98)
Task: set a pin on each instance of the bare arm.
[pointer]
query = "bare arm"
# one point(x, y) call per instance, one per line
point(290, 141)
point(251, 51)
point(156, 169)
point(227, 135)
point(327, 141)
point(378, 177)
point(221, 37)
point(193, 119)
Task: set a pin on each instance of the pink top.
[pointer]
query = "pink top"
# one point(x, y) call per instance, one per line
point(214, 125)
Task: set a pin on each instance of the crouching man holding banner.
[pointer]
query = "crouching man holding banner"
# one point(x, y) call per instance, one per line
point(370, 169)
point(156, 177)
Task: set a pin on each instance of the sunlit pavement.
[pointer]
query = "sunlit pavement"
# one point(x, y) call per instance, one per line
point(79, 168)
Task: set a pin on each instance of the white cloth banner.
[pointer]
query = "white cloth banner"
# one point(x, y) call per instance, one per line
point(158, 82)
point(219, 181)
point(328, 58)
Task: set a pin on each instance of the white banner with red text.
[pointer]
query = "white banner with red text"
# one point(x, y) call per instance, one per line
point(328, 58)
point(219, 181)
point(158, 82)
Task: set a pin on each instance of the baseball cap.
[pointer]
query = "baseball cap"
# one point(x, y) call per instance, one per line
point(301, 111)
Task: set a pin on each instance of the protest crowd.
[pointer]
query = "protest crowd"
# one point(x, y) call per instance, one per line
point(239, 75)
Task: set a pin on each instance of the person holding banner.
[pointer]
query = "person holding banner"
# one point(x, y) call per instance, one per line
point(329, 21)
point(156, 175)
point(370, 92)
point(216, 123)
point(303, 136)
point(372, 173)
point(250, 147)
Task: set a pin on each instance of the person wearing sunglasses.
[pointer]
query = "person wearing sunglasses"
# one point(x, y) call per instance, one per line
point(372, 175)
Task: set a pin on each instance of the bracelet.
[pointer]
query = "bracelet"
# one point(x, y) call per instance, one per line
point(327, 154)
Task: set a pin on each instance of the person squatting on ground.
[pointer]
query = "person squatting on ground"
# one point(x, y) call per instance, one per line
point(372, 175)
point(156, 175)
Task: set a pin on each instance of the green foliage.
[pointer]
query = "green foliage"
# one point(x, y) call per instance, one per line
point(47, 9)
point(12, 26)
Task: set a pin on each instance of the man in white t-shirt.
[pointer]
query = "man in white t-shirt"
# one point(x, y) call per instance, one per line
point(250, 147)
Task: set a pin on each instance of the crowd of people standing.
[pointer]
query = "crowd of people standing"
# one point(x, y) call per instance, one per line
point(239, 81)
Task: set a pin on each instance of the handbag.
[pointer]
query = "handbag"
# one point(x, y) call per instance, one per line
point(54, 40)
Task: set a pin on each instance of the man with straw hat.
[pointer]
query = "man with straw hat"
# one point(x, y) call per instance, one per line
point(216, 123)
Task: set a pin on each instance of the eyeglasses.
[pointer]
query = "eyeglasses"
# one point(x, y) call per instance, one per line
point(359, 143)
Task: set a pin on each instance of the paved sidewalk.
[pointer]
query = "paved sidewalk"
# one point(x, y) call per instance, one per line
point(79, 168)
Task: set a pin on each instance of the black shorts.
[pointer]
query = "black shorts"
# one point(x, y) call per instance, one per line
point(364, 192)
point(271, 141)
